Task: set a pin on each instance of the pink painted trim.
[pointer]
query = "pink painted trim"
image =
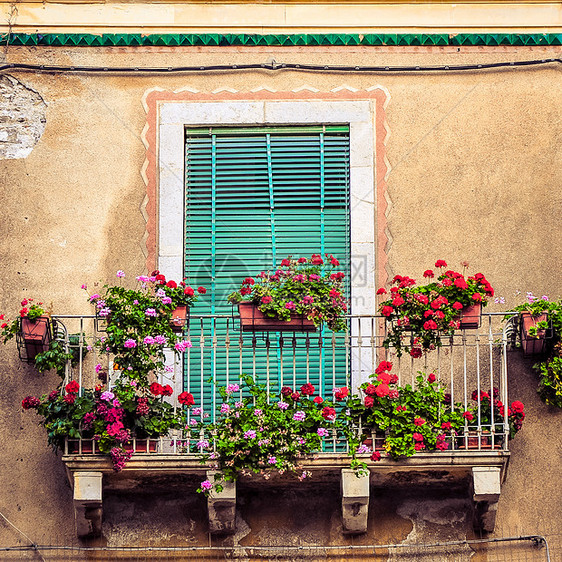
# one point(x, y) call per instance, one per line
point(154, 98)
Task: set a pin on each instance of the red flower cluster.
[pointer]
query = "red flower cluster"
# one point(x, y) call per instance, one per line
point(307, 389)
point(157, 389)
point(30, 402)
point(72, 387)
point(431, 310)
point(341, 393)
point(329, 413)
point(186, 398)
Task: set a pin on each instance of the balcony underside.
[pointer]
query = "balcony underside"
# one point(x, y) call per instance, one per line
point(479, 473)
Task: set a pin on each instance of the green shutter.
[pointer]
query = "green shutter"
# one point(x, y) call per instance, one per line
point(253, 197)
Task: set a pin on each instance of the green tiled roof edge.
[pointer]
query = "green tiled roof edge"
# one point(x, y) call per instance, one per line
point(282, 40)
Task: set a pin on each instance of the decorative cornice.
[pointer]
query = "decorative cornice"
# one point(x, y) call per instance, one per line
point(280, 40)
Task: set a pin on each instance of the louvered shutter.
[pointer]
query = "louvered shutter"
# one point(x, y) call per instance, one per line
point(253, 197)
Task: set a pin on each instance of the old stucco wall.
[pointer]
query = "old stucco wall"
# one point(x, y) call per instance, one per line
point(475, 176)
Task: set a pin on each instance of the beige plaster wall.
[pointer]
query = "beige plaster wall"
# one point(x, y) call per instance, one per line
point(475, 176)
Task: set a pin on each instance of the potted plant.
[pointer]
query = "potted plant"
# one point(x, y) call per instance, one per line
point(108, 421)
point(535, 318)
point(301, 295)
point(420, 314)
point(550, 373)
point(139, 322)
point(413, 419)
point(260, 433)
point(492, 414)
point(33, 330)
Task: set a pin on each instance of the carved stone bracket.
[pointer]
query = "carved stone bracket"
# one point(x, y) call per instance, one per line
point(355, 501)
point(487, 487)
point(88, 503)
point(222, 507)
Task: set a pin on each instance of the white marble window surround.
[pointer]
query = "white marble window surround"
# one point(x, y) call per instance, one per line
point(175, 116)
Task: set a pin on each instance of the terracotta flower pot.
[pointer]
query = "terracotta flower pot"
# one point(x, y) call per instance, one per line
point(180, 318)
point(252, 319)
point(35, 335)
point(532, 345)
point(470, 317)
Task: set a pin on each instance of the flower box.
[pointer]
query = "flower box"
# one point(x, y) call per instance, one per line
point(533, 345)
point(180, 319)
point(252, 319)
point(33, 337)
point(470, 317)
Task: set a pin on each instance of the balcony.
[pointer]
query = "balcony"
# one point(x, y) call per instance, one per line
point(469, 362)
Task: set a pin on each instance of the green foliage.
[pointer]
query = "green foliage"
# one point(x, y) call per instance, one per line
point(57, 356)
point(420, 315)
point(550, 381)
point(550, 368)
point(112, 418)
point(305, 286)
point(138, 323)
point(258, 435)
point(419, 418)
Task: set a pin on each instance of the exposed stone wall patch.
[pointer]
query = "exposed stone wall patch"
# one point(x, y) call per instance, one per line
point(22, 118)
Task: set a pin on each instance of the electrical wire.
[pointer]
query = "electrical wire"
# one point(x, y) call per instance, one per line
point(31, 546)
point(275, 66)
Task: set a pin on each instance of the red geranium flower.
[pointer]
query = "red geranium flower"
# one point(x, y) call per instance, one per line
point(318, 400)
point(189, 291)
point(382, 390)
point(30, 402)
point(428, 273)
point(186, 398)
point(72, 387)
point(156, 389)
point(167, 390)
point(307, 389)
point(387, 310)
point(370, 389)
point(341, 393)
point(376, 456)
point(172, 284)
point(201, 290)
point(517, 407)
point(383, 366)
point(440, 263)
point(384, 378)
point(329, 413)
point(419, 421)
point(431, 377)
point(369, 401)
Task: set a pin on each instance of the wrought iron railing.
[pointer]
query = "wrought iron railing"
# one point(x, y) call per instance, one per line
point(470, 361)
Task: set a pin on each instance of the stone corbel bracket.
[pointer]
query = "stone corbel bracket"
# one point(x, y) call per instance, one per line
point(88, 503)
point(486, 483)
point(354, 501)
point(222, 507)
